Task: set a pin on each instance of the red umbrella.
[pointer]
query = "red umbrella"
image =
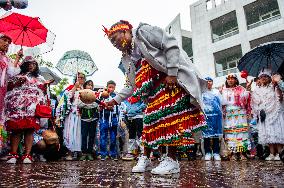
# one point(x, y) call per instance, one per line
point(24, 30)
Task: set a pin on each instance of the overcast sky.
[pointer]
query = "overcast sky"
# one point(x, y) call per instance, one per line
point(78, 25)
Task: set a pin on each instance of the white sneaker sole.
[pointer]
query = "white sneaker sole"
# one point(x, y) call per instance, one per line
point(10, 161)
point(173, 171)
point(149, 168)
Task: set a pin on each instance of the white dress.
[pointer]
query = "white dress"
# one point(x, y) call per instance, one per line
point(72, 125)
point(271, 131)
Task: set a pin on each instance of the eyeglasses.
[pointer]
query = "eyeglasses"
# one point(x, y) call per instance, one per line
point(81, 77)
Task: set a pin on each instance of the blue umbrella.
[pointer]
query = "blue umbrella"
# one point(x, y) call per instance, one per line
point(269, 55)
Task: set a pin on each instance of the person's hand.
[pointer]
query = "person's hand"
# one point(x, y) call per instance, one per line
point(49, 82)
point(221, 88)
point(170, 82)
point(276, 78)
point(19, 54)
point(248, 86)
point(110, 103)
point(77, 85)
point(110, 108)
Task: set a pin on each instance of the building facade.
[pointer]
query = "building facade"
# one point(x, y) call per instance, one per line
point(183, 37)
point(224, 30)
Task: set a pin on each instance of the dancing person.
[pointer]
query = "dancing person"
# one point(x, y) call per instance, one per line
point(160, 72)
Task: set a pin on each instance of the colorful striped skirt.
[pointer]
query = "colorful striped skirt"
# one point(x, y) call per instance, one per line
point(170, 119)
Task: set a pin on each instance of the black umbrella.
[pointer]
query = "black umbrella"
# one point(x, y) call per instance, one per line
point(48, 74)
point(268, 55)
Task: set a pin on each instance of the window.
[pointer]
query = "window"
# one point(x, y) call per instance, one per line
point(224, 26)
point(209, 4)
point(261, 12)
point(227, 61)
point(187, 46)
point(218, 2)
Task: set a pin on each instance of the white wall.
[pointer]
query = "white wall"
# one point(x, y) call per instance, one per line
point(203, 48)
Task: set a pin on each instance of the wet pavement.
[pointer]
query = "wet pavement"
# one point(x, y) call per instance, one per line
point(118, 174)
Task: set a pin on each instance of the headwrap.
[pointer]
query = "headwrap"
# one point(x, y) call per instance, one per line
point(3, 35)
point(121, 26)
point(232, 75)
point(208, 78)
point(29, 59)
point(265, 72)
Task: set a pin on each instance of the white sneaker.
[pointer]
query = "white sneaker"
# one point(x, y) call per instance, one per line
point(166, 166)
point(207, 157)
point(12, 160)
point(277, 157)
point(216, 157)
point(143, 164)
point(41, 158)
point(270, 157)
point(27, 159)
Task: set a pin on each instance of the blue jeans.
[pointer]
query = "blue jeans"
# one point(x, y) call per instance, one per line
point(106, 128)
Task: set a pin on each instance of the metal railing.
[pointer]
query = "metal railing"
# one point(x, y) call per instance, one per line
point(265, 21)
point(221, 37)
point(227, 71)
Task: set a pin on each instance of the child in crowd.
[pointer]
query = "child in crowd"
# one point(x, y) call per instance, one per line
point(108, 124)
point(89, 120)
point(122, 132)
point(213, 110)
point(134, 116)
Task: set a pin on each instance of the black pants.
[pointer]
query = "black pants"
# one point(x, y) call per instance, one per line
point(135, 128)
point(88, 129)
point(207, 145)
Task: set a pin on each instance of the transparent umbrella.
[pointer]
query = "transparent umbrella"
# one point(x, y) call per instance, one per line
point(48, 74)
point(76, 61)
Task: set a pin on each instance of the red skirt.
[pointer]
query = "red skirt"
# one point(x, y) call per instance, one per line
point(22, 124)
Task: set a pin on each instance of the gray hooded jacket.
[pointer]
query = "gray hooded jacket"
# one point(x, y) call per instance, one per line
point(162, 52)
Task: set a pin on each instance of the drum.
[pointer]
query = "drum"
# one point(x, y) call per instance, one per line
point(88, 96)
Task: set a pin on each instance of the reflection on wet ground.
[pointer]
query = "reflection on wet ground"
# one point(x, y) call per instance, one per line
point(117, 174)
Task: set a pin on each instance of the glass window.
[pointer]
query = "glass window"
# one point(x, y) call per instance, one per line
point(227, 60)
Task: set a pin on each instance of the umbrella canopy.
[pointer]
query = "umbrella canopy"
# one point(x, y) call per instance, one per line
point(27, 31)
point(48, 74)
point(76, 61)
point(268, 55)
